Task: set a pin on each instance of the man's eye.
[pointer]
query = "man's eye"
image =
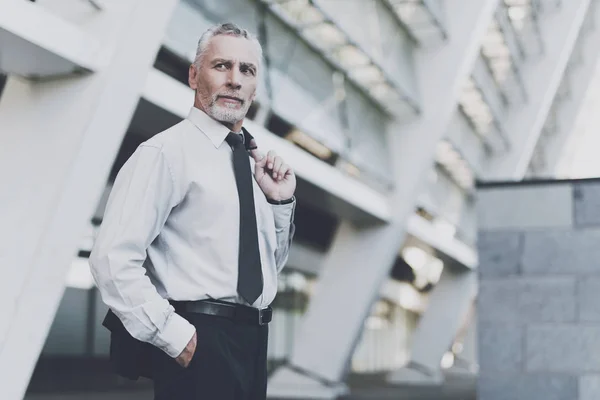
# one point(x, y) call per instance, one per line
point(247, 71)
point(220, 66)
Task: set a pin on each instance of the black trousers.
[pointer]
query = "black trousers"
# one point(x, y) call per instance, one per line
point(230, 363)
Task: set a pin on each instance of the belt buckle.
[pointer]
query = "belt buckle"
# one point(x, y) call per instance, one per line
point(260, 318)
point(262, 313)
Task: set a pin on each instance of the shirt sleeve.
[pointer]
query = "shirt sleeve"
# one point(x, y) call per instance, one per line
point(140, 202)
point(284, 231)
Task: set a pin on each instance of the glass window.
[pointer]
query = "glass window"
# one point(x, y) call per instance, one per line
point(303, 86)
point(380, 36)
point(368, 139)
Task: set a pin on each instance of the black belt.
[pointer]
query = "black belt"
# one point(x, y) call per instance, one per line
point(235, 312)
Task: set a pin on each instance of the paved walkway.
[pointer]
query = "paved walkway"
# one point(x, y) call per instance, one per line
point(463, 390)
point(455, 388)
point(458, 386)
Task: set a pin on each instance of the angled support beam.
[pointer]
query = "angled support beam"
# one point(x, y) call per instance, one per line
point(541, 78)
point(59, 139)
point(361, 257)
point(449, 305)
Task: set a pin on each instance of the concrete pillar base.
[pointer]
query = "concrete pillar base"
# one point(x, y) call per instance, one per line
point(463, 367)
point(415, 375)
point(291, 384)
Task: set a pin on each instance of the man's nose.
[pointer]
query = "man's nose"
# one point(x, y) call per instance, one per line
point(234, 79)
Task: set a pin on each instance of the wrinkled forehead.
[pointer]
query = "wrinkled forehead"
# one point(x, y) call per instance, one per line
point(237, 49)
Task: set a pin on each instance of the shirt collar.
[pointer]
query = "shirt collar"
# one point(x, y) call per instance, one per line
point(213, 129)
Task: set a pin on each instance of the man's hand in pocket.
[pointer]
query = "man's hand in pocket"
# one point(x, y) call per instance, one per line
point(186, 355)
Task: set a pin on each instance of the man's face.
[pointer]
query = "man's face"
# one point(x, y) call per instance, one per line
point(226, 82)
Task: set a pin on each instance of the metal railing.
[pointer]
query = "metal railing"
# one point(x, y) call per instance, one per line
point(423, 18)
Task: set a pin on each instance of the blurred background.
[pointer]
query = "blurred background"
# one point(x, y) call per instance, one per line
point(392, 113)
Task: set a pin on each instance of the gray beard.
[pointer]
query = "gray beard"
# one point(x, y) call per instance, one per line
point(226, 114)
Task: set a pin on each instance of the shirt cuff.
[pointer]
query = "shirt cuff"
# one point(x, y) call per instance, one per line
point(283, 215)
point(176, 334)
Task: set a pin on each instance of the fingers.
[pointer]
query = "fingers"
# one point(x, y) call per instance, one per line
point(284, 171)
point(271, 163)
point(277, 163)
point(281, 171)
point(271, 159)
point(258, 157)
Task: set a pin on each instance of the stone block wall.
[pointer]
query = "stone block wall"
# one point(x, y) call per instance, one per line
point(538, 306)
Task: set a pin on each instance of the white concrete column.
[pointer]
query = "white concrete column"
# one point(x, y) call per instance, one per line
point(360, 258)
point(570, 108)
point(541, 77)
point(58, 140)
point(449, 305)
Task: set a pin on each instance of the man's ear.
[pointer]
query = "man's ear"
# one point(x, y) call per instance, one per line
point(192, 77)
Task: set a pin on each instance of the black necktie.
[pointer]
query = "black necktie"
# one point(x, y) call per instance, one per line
point(250, 281)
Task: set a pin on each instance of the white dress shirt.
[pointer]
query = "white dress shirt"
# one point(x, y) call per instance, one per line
point(171, 231)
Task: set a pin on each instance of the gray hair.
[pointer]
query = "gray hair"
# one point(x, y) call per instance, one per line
point(229, 29)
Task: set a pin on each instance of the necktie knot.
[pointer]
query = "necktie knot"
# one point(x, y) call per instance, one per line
point(234, 139)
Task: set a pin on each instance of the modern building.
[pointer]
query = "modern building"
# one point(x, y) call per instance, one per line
point(389, 111)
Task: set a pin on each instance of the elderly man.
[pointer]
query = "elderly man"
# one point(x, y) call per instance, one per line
point(197, 227)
